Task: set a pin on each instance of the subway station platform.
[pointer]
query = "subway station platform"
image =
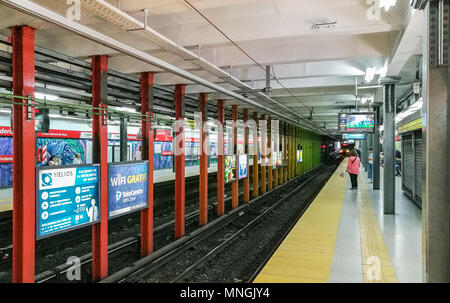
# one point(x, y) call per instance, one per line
point(344, 237)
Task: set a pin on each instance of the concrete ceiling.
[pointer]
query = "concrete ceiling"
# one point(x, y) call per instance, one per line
point(319, 67)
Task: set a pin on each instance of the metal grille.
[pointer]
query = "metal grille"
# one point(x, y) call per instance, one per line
point(418, 168)
point(408, 183)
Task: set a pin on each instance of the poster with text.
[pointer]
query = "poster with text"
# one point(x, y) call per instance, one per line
point(127, 188)
point(67, 198)
point(243, 166)
point(230, 169)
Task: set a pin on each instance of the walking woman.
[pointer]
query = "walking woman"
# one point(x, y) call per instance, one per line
point(353, 169)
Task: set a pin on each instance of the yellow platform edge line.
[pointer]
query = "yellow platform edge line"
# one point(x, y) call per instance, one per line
point(377, 265)
point(302, 258)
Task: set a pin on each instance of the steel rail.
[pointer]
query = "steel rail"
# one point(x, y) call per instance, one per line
point(229, 239)
point(167, 253)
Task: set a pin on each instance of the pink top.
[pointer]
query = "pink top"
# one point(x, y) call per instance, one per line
point(353, 165)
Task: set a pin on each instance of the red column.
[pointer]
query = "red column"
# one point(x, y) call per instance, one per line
point(203, 207)
point(147, 146)
point(263, 157)
point(269, 147)
point(220, 159)
point(99, 155)
point(179, 161)
point(235, 184)
point(255, 157)
point(24, 156)
point(246, 180)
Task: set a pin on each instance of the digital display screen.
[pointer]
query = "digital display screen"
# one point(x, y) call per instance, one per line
point(356, 122)
point(354, 136)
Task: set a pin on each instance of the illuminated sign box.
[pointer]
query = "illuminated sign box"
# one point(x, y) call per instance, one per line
point(356, 122)
point(362, 136)
point(230, 168)
point(243, 166)
point(127, 188)
point(67, 198)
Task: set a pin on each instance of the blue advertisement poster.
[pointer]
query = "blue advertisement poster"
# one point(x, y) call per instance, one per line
point(243, 166)
point(127, 187)
point(67, 198)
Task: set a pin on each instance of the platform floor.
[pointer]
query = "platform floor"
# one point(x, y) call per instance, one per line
point(344, 237)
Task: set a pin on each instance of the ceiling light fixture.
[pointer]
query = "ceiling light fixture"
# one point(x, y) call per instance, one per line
point(370, 74)
point(387, 4)
point(328, 25)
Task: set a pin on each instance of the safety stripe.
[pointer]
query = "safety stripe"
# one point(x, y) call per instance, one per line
point(306, 255)
point(377, 265)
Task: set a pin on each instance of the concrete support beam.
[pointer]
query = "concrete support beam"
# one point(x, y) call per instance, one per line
point(389, 145)
point(376, 150)
point(435, 171)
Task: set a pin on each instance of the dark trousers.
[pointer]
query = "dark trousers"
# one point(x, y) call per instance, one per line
point(354, 179)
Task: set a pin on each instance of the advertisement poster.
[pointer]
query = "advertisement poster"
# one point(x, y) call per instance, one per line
point(243, 166)
point(230, 169)
point(67, 198)
point(127, 188)
point(299, 155)
point(274, 160)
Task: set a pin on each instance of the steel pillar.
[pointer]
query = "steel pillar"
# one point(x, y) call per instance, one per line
point(376, 150)
point(24, 163)
point(435, 165)
point(263, 131)
point(220, 159)
point(235, 184)
point(365, 154)
point(100, 156)
point(203, 190)
point(147, 154)
point(389, 145)
point(269, 147)
point(247, 152)
point(255, 157)
point(179, 162)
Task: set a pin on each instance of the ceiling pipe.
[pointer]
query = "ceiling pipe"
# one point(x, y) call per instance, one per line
point(36, 10)
point(127, 22)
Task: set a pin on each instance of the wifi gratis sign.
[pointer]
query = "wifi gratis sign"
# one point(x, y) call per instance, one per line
point(127, 188)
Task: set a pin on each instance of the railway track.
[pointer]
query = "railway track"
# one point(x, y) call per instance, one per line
point(253, 211)
point(163, 210)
